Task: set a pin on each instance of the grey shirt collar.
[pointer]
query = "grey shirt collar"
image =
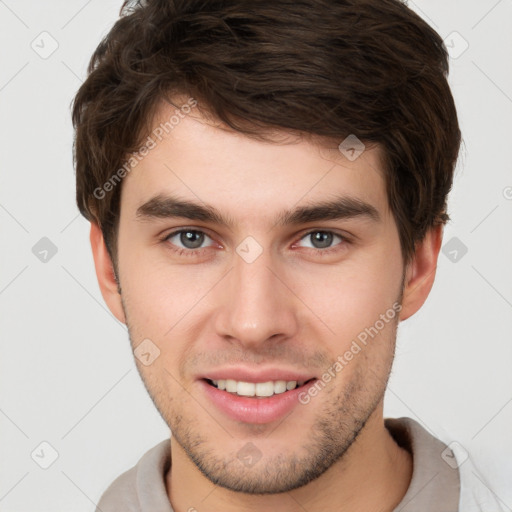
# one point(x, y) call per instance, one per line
point(435, 485)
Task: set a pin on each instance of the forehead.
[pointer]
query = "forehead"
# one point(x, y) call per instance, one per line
point(197, 159)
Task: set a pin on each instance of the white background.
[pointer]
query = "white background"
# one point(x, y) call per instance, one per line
point(67, 374)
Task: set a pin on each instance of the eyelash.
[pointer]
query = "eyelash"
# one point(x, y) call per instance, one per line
point(199, 252)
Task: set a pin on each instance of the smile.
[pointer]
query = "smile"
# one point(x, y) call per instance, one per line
point(256, 389)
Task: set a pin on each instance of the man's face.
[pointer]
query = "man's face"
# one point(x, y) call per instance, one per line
point(259, 300)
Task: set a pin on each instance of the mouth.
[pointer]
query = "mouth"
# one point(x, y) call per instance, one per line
point(255, 397)
point(257, 389)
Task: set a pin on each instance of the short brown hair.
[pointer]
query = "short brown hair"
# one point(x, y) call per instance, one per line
point(328, 68)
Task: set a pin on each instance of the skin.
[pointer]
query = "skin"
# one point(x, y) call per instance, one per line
point(294, 307)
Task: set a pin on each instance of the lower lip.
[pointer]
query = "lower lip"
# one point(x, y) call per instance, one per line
point(254, 410)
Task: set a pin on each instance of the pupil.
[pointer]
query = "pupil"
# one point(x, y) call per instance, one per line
point(192, 239)
point(322, 239)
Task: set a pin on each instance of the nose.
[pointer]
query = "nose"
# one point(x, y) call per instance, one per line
point(256, 304)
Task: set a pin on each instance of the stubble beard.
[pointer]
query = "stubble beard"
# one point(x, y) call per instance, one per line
point(342, 420)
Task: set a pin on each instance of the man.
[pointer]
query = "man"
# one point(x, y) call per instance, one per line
point(266, 184)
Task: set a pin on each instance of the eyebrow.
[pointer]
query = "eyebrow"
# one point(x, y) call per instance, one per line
point(344, 207)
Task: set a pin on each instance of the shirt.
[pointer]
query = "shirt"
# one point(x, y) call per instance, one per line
point(443, 477)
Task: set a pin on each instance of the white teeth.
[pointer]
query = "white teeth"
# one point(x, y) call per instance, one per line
point(231, 385)
point(265, 388)
point(291, 385)
point(261, 389)
point(279, 386)
point(245, 388)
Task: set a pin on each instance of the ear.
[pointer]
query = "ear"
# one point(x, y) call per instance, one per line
point(420, 272)
point(105, 273)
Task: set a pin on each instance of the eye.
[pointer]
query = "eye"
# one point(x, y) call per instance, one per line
point(191, 242)
point(188, 239)
point(322, 239)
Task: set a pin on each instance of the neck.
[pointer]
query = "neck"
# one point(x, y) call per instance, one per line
point(373, 475)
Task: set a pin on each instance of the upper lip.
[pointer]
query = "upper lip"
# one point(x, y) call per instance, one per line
point(252, 375)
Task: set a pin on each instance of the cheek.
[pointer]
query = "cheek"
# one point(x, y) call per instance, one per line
point(165, 304)
point(158, 295)
point(352, 296)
